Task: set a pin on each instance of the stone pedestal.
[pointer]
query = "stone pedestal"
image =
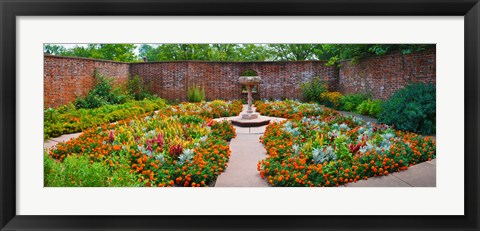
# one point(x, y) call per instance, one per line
point(249, 116)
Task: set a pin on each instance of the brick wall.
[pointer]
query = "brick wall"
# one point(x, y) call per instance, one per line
point(383, 75)
point(170, 80)
point(68, 78)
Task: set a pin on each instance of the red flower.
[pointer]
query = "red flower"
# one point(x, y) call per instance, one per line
point(111, 137)
point(176, 150)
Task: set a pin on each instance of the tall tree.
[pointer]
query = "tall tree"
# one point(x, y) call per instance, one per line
point(53, 49)
point(293, 51)
point(115, 52)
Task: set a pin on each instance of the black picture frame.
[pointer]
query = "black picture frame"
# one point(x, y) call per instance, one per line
point(470, 9)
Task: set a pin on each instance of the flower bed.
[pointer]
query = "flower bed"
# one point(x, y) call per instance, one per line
point(212, 109)
point(156, 150)
point(330, 150)
point(290, 109)
point(67, 119)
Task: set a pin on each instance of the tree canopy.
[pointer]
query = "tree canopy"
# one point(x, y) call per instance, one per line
point(115, 52)
point(333, 53)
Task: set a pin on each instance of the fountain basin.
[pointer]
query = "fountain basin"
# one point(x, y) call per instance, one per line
point(257, 122)
point(249, 80)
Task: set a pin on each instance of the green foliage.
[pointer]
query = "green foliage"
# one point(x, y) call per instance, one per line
point(102, 93)
point(115, 52)
point(294, 52)
point(249, 73)
point(370, 107)
point(341, 149)
point(77, 171)
point(67, 119)
point(210, 52)
point(196, 93)
point(137, 89)
point(223, 129)
point(412, 108)
point(350, 102)
point(335, 53)
point(313, 90)
point(331, 99)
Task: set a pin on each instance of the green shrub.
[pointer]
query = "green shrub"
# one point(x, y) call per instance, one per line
point(331, 99)
point(350, 102)
point(78, 171)
point(196, 94)
point(137, 89)
point(313, 90)
point(412, 108)
point(370, 107)
point(103, 93)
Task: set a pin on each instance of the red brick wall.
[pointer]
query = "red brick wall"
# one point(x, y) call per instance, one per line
point(383, 75)
point(170, 80)
point(67, 78)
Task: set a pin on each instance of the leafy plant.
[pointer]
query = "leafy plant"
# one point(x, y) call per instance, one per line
point(412, 108)
point(136, 88)
point(331, 99)
point(195, 94)
point(103, 93)
point(350, 102)
point(249, 73)
point(223, 129)
point(370, 107)
point(77, 171)
point(313, 90)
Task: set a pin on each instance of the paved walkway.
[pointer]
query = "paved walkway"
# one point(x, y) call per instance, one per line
point(63, 138)
point(365, 118)
point(246, 151)
point(419, 175)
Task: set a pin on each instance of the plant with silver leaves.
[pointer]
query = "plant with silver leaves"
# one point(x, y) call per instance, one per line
point(296, 149)
point(321, 155)
point(187, 155)
point(343, 127)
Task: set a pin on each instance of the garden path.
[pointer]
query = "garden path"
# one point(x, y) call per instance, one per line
point(63, 138)
point(419, 175)
point(246, 151)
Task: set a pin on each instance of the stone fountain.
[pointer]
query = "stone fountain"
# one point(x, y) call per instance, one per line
point(250, 118)
point(249, 82)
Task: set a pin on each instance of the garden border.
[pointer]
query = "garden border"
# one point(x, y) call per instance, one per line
point(10, 9)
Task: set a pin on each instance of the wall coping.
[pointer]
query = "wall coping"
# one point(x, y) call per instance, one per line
point(182, 61)
point(88, 59)
point(373, 56)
